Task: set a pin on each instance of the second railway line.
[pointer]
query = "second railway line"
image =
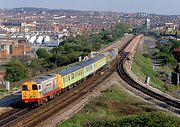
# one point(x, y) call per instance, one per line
point(125, 56)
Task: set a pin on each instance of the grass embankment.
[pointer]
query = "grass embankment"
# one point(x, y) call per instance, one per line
point(142, 66)
point(116, 107)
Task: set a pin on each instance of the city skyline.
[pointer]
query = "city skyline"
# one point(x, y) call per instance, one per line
point(129, 6)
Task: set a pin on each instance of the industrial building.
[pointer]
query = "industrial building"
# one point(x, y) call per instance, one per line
point(10, 47)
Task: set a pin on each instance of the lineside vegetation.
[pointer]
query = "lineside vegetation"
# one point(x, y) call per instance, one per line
point(117, 108)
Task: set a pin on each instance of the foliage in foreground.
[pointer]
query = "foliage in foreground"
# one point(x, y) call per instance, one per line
point(154, 119)
point(15, 71)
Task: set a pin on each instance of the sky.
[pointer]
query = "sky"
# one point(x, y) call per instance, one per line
point(169, 7)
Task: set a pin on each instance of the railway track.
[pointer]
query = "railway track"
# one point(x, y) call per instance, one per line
point(125, 76)
point(42, 113)
point(6, 120)
point(31, 118)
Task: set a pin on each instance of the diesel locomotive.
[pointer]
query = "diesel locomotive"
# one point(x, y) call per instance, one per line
point(44, 88)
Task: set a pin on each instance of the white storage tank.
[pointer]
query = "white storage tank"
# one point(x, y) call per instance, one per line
point(47, 39)
point(32, 39)
point(27, 37)
point(39, 40)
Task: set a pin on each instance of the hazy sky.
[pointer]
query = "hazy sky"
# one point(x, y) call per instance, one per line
point(150, 6)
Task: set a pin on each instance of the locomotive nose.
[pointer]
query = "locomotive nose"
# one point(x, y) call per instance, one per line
point(25, 95)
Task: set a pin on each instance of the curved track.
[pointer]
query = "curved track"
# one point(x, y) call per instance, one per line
point(125, 76)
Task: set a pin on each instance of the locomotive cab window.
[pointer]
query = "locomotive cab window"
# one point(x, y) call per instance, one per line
point(34, 87)
point(39, 87)
point(24, 87)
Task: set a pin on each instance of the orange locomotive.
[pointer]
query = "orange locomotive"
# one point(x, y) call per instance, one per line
point(41, 89)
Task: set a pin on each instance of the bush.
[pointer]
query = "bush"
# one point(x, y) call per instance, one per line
point(154, 119)
point(42, 53)
point(146, 55)
point(15, 71)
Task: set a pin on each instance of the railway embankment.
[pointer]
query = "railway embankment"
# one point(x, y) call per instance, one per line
point(128, 69)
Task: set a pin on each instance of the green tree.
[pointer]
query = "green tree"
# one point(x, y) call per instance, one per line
point(42, 53)
point(58, 50)
point(171, 61)
point(15, 71)
point(120, 29)
point(176, 44)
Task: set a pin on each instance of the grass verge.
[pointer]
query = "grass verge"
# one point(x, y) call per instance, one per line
point(142, 67)
point(114, 105)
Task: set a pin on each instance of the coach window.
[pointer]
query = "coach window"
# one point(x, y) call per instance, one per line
point(72, 75)
point(34, 87)
point(66, 79)
point(69, 77)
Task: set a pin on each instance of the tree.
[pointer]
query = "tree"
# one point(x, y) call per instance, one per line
point(58, 50)
point(42, 53)
point(15, 71)
point(171, 61)
point(176, 44)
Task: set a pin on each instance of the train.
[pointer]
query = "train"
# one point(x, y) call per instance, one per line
point(45, 88)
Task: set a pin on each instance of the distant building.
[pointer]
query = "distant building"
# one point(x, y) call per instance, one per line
point(13, 47)
point(12, 26)
point(171, 26)
point(148, 24)
point(3, 32)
